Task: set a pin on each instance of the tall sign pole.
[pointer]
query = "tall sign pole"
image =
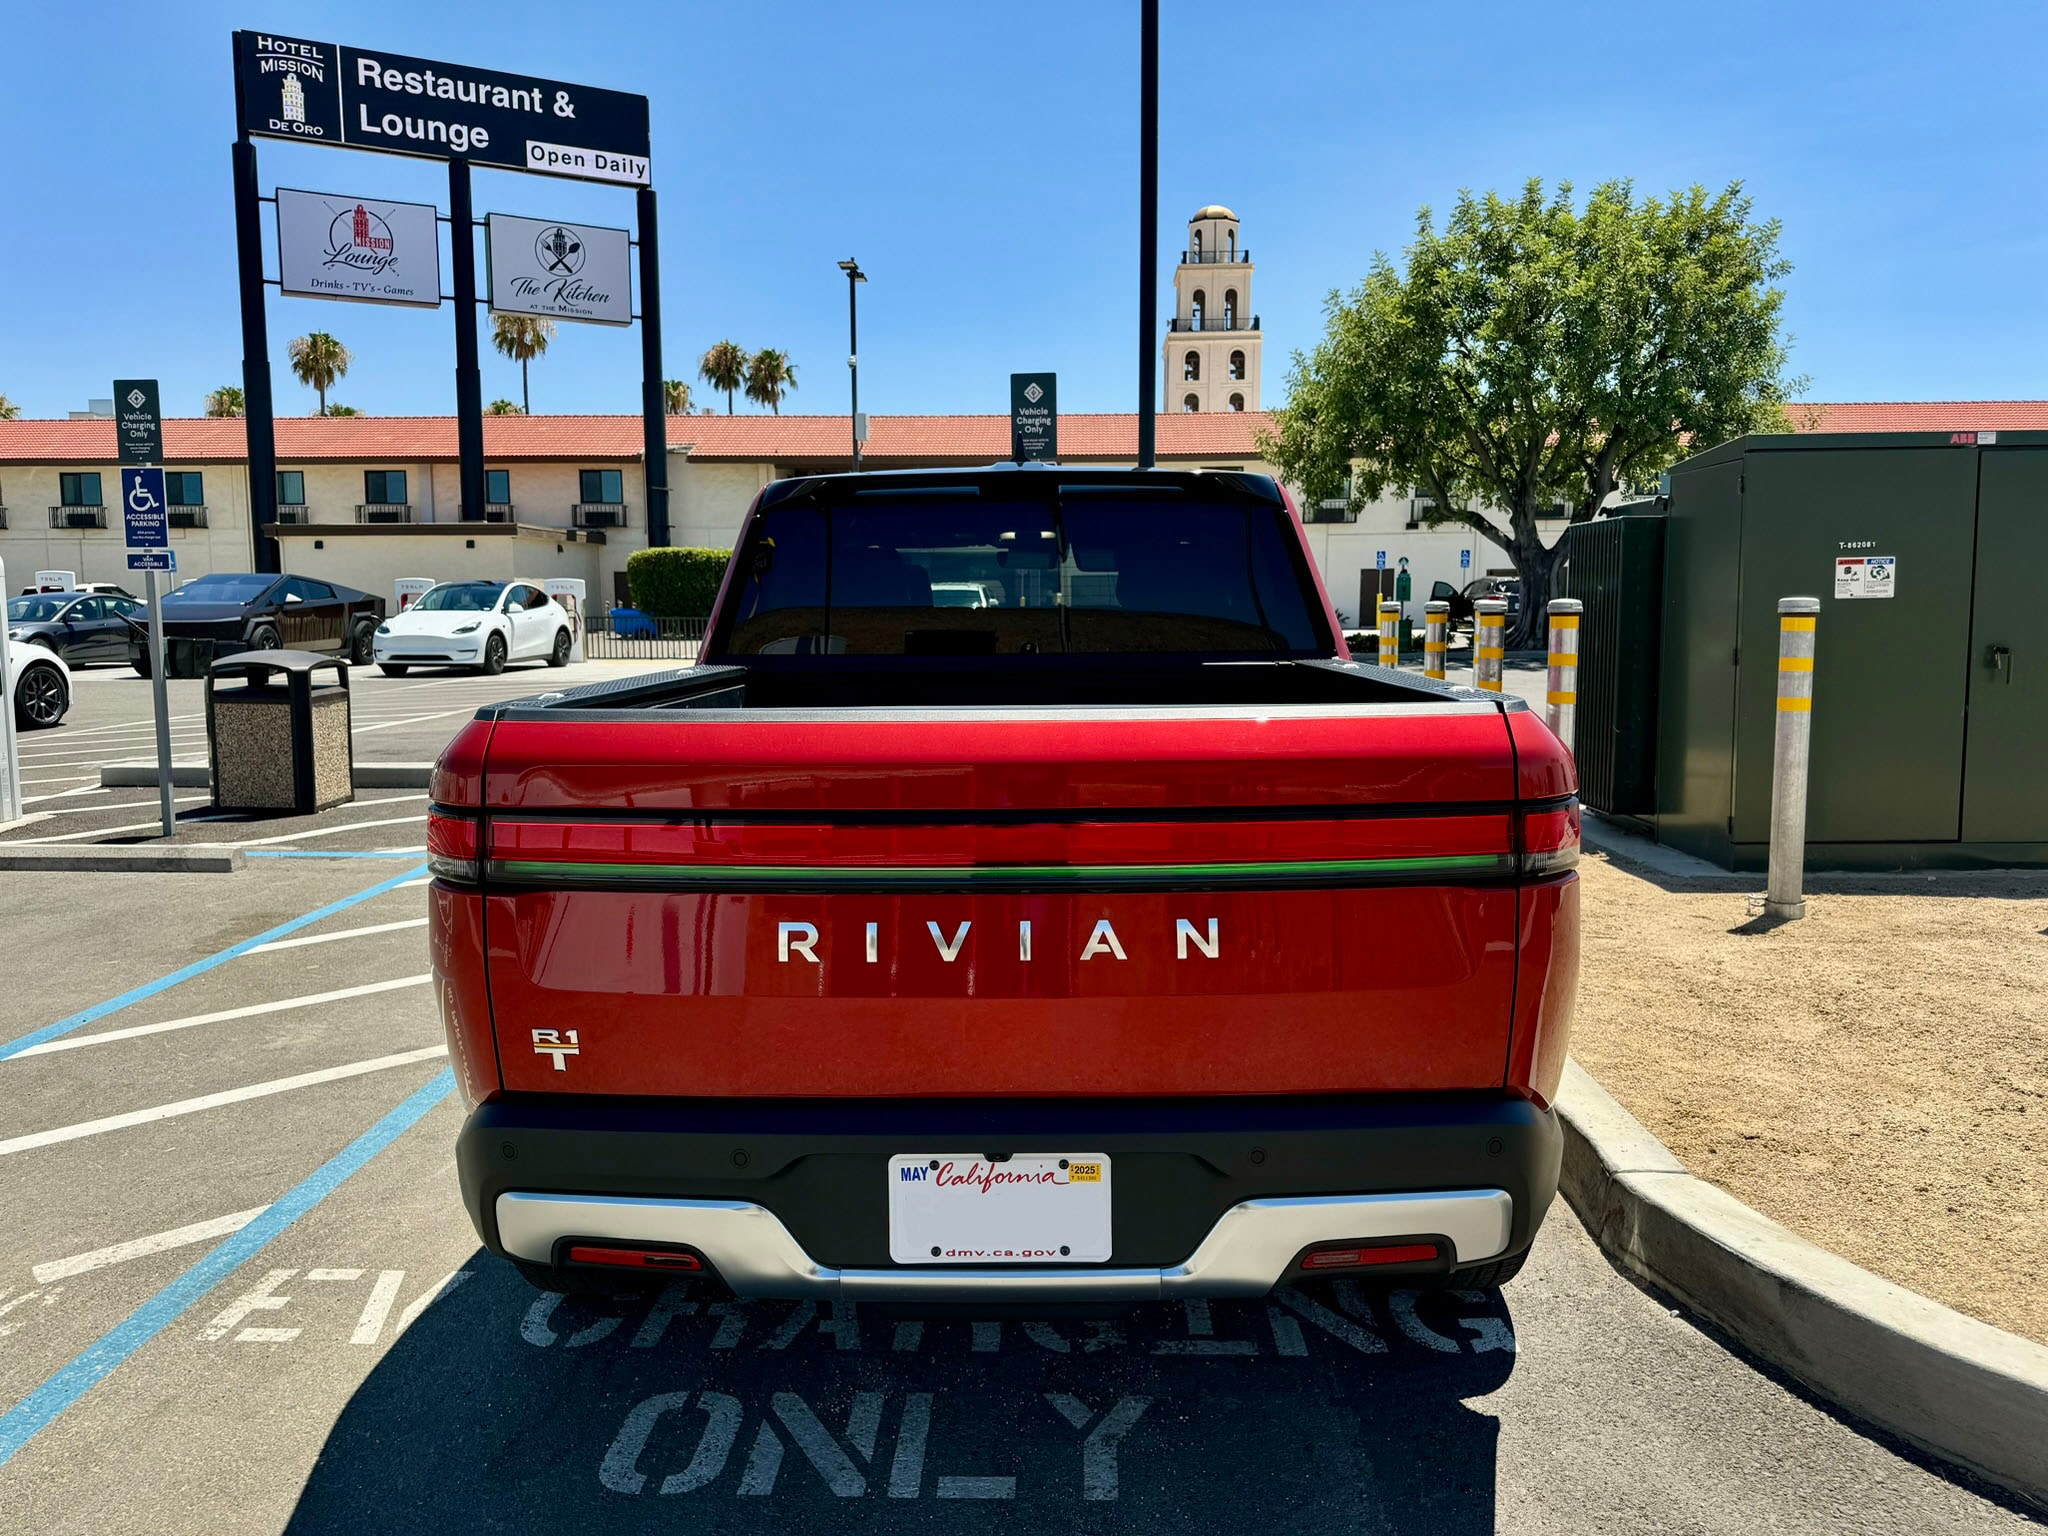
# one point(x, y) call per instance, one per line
point(1148, 228)
point(258, 421)
point(653, 399)
point(469, 379)
point(10, 757)
point(146, 526)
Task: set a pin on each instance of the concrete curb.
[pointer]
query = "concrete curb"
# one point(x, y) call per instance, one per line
point(139, 860)
point(1959, 1389)
point(200, 776)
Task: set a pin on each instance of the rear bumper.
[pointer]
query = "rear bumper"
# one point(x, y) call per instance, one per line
point(1213, 1197)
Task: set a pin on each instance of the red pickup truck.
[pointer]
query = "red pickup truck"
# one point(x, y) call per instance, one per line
point(1121, 938)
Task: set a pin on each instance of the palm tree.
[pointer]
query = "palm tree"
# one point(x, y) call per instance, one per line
point(318, 360)
point(724, 367)
point(522, 338)
point(9, 411)
point(503, 407)
point(676, 392)
point(226, 401)
point(338, 409)
point(769, 375)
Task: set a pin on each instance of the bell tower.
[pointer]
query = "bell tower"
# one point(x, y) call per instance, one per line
point(1212, 341)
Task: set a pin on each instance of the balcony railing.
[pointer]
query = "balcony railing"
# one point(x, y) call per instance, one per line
point(494, 512)
point(292, 512)
point(1215, 258)
point(78, 517)
point(599, 514)
point(187, 517)
point(383, 512)
point(1210, 323)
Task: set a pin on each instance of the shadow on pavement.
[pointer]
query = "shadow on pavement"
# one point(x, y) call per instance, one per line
point(1326, 1410)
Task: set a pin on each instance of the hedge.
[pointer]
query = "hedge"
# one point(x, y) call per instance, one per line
point(675, 583)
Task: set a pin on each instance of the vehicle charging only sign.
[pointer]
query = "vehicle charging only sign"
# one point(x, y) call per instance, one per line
point(142, 509)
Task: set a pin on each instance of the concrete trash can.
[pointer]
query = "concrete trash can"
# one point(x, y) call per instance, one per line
point(279, 742)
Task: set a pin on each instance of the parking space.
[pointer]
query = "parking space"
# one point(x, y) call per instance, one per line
point(395, 720)
point(240, 1294)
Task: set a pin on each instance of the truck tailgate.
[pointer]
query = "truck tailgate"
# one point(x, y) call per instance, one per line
point(1025, 902)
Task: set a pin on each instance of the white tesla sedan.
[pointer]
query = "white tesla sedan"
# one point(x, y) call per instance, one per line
point(481, 624)
point(39, 683)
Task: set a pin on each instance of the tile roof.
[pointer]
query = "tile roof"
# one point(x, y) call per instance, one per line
point(785, 439)
point(317, 439)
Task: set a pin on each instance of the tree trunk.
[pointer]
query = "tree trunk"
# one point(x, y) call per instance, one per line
point(323, 398)
point(1536, 566)
point(728, 402)
point(525, 395)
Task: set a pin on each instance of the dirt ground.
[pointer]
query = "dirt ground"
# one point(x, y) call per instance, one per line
point(1875, 1077)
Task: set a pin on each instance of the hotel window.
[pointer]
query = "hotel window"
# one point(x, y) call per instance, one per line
point(1237, 402)
point(384, 487)
point(79, 490)
point(185, 488)
point(498, 487)
point(1191, 368)
point(602, 487)
point(1191, 403)
point(291, 487)
point(1237, 365)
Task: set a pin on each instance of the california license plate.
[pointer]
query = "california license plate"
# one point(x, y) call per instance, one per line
point(1033, 1208)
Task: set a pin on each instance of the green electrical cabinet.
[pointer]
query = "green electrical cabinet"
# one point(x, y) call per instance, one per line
point(1930, 716)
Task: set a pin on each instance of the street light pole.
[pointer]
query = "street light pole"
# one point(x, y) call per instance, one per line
point(854, 277)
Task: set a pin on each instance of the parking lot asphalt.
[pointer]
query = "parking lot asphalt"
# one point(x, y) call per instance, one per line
point(395, 720)
point(238, 1293)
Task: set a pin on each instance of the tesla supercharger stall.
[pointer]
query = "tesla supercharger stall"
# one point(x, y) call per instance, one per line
point(407, 590)
point(568, 592)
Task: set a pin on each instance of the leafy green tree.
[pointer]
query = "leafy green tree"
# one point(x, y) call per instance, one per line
point(318, 361)
point(675, 394)
point(1533, 352)
point(724, 367)
point(504, 407)
point(338, 409)
point(522, 338)
point(226, 401)
point(770, 374)
point(9, 411)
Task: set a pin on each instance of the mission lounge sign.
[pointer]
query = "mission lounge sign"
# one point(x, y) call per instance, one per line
point(292, 88)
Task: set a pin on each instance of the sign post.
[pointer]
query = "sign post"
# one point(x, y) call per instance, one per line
point(10, 759)
point(1034, 416)
point(145, 519)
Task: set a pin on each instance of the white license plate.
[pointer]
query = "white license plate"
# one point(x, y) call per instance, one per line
point(1034, 1208)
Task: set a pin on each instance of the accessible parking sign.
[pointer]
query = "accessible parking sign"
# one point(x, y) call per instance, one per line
point(142, 508)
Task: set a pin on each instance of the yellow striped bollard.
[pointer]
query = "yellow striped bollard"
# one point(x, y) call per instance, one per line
point(1436, 638)
point(1561, 701)
point(1798, 621)
point(1390, 632)
point(1489, 641)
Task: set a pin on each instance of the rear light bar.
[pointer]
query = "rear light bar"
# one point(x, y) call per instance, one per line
point(635, 1258)
point(1357, 1256)
point(452, 844)
point(1550, 839)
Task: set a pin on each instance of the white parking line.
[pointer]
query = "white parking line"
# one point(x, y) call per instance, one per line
point(250, 1011)
point(346, 933)
point(335, 831)
point(385, 725)
point(142, 1247)
point(101, 1126)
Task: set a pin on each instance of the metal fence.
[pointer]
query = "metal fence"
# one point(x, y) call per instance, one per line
point(626, 634)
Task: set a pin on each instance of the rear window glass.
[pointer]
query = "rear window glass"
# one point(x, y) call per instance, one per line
point(950, 572)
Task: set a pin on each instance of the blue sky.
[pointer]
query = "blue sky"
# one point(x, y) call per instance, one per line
point(980, 161)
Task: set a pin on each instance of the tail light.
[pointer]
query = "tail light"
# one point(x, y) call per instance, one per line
point(675, 1259)
point(1358, 1256)
point(1550, 839)
point(453, 841)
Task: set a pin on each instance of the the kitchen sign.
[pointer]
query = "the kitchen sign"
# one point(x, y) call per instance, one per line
point(561, 271)
point(325, 93)
point(360, 248)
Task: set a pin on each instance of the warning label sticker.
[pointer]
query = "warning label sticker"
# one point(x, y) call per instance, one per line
point(1866, 575)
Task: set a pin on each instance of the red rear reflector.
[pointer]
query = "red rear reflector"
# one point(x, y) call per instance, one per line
point(1354, 1258)
point(1550, 839)
point(451, 845)
point(636, 1258)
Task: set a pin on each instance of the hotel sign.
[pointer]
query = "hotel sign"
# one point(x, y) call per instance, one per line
point(562, 271)
point(361, 248)
point(324, 93)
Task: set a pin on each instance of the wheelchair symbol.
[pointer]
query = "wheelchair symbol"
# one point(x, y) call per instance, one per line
point(139, 499)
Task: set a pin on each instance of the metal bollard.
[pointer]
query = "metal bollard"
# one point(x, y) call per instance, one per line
point(1561, 706)
point(1489, 641)
point(1436, 630)
point(1390, 632)
point(1797, 620)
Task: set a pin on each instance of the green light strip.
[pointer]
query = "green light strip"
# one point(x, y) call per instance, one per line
point(990, 874)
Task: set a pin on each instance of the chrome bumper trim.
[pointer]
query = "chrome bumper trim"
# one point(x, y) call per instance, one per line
point(1245, 1253)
